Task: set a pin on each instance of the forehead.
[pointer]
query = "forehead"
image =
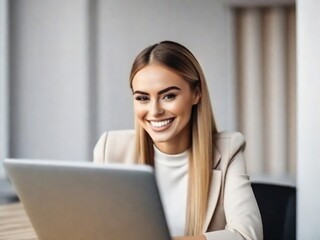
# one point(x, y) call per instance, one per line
point(157, 77)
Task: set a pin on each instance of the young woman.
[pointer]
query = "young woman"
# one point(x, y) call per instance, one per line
point(200, 172)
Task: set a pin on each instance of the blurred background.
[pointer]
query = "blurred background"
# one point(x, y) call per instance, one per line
point(68, 65)
point(65, 64)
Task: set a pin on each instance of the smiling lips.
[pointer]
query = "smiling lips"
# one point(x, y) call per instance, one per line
point(161, 125)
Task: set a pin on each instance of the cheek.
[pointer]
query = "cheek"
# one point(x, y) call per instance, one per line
point(183, 108)
point(139, 111)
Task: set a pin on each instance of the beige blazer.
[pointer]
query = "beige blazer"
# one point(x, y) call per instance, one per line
point(232, 209)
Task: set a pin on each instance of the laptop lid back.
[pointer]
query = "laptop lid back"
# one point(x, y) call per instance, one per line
point(82, 200)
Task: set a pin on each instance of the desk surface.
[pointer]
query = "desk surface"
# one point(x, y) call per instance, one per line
point(14, 223)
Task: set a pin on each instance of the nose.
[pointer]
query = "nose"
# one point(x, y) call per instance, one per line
point(155, 109)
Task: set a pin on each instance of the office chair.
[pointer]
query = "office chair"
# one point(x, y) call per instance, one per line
point(277, 204)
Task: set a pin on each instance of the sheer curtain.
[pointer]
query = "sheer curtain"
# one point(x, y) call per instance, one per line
point(265, 40)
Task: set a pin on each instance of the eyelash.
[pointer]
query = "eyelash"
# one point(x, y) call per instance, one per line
point(169, 96)
point(142, 98)
point(166, 97)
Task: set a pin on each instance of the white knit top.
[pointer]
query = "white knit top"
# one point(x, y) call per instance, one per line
point(171, 173)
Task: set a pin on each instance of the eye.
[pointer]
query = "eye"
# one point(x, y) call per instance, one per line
point(169, 96)
point(142, 98)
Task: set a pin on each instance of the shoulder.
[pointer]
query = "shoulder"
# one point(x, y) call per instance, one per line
point(228, 144)
point(113, 145)
point(121, 135)
point(233, 140)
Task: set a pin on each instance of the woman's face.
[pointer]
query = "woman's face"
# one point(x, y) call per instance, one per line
point(162, 104)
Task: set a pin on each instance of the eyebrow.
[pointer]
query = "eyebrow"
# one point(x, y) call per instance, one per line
point(160, 92)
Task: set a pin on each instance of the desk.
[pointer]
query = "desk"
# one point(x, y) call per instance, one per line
point(14, 223)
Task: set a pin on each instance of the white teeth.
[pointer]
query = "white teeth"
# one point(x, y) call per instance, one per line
point(159, 124)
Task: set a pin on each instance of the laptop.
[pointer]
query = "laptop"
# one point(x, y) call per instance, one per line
point(83, 200)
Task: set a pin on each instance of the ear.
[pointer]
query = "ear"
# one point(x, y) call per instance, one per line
point(196, 96)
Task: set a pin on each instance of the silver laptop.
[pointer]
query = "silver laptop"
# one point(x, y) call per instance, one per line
point(82, 200)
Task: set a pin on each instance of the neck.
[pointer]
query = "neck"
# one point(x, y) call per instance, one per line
point(172, 148)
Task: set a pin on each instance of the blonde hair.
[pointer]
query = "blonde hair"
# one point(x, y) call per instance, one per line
point(180, 60)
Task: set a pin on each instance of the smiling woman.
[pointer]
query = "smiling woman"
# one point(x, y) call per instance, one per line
point(200, 172)
point(163, 104)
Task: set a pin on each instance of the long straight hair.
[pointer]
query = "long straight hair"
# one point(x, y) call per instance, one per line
point(180, 60)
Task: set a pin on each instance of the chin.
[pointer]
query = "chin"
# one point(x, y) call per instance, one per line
point(159, 139)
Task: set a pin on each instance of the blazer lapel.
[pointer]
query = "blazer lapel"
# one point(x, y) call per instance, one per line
point(213, 197)
point(214, 191)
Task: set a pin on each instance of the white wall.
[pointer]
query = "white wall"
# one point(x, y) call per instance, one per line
point(4, 96)
point(70, 62)
point(49, 79)
point(308, 166)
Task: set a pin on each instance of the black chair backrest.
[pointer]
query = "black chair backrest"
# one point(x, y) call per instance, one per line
point(277, 204)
